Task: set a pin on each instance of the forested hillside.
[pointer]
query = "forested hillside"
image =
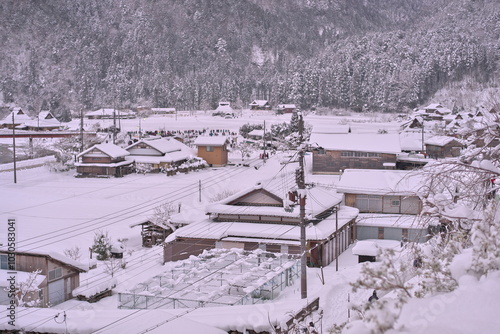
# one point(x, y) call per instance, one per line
point(381, 55)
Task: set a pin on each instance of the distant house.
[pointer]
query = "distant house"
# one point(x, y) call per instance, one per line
point(260, 105)
point(381, 191)
point(224, 107)
point(163, 111)
point(159, 153)
point(334, 153)
point(110, 113)
point(212, 149)
point(45, 121)
point(60, 274)
point(438, 147)
point(260, 218)
point(20, 117)
point(103, 160)
point(286, 108)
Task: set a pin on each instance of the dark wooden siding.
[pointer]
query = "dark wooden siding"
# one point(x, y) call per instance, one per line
point(331, 162)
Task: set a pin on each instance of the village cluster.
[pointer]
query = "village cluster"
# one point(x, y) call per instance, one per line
point(246, 248)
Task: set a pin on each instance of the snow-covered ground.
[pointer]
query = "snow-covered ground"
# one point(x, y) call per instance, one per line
point(55, 212)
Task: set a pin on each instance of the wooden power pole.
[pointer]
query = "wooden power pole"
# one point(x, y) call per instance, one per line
point(300, 176)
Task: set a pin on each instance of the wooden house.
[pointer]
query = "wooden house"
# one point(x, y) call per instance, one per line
point(163, 111)
point(439, 147)
point(110, 113)
point(381, 191)
point(286, 108)
point(260, 105)
point(61, 274)
point(103, 160)
point(334, 153)
point(159, 153)
point(260, 218)
point(212, 149)
point(388, 203)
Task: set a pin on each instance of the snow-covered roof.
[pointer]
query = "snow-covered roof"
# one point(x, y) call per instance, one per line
point(411, 140)
point(379, 182)
point(371, 247)
point(19, 117)
point(162, 145)
point(318, 200)
point(219, 230)
point(286, 106)
point(256, 132)
point(109, 321)
point(330, 128)
point(260, 103)
point(395, 220)
point(210, 140)
point(224, 107)
point(362, 142)
point(439, 140)
point(53, 255)
point(108, 149)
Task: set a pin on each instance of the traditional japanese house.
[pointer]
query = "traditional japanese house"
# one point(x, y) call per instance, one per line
point(159, 153)
point(260, 217)
point(103, 160)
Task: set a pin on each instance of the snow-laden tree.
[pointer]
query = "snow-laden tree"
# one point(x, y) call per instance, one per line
point(102, 245)
point(27, 290)
point(161, 215)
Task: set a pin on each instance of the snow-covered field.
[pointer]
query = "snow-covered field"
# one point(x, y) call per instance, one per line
point(56, 211)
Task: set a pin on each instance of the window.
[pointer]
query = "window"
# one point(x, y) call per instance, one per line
point(55, 274)
point(369, 203)
point(210, 148)
point(395, 203)
point(4, 262)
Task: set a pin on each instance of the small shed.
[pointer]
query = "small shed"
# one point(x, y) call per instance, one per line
point(367, 250)
point(152, 234)
point(212, 149)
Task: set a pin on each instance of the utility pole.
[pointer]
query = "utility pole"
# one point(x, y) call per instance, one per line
point(423, 149)
point(81, 130)
point(199, 191)
point(114, 126)
point(337, 239)
point(14, 145)
point(264, 137)
point(302, 202)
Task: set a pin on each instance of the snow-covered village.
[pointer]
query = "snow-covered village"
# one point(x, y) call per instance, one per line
point(205, 224)
point(249, 167)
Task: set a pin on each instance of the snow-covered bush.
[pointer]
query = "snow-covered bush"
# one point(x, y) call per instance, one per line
point(102, 245)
